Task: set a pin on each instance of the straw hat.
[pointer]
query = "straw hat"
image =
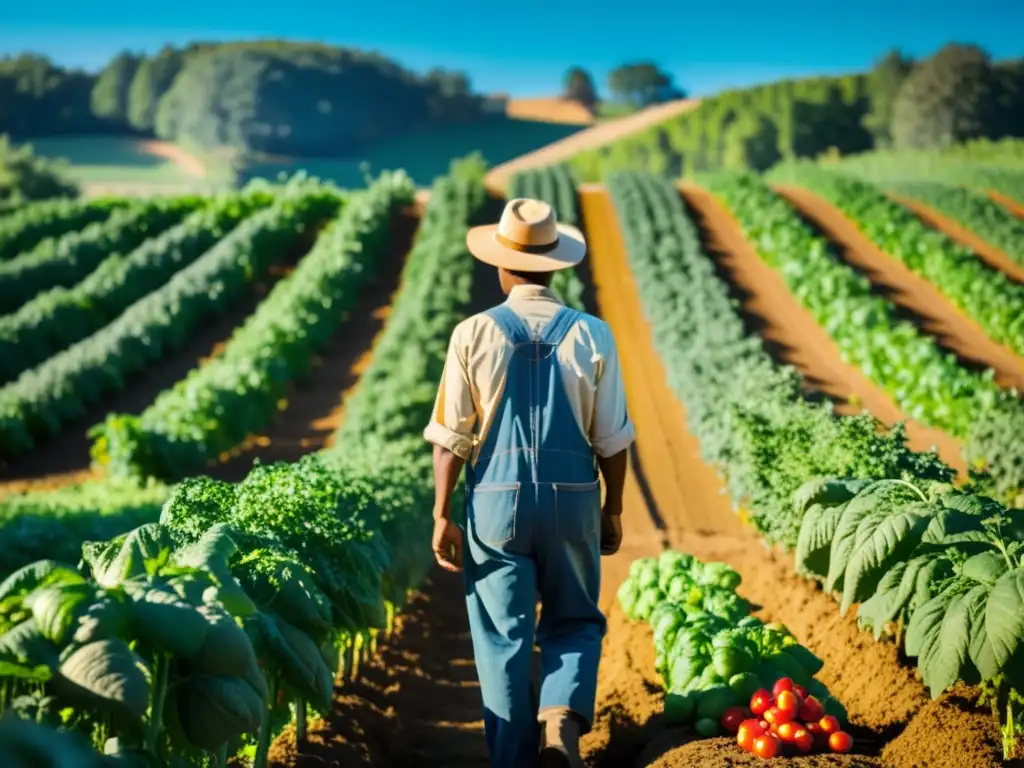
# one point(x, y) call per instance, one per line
point(527, 239)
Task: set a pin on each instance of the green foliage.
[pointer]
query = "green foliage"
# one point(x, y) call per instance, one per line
point(884, 83)
point(224, 400)
point(63, 261)
point(578, 85)
point(747, 411)
point(985, 295)
point(925, 380)
point(25, 228)
point(25, 177)
point(948, 98)
point(642, 84)
point(44, 398)
point(152, 80)
point(751, 141)
point(974, 211)
point(57, 318)
point(109, 98)
point(39, 98)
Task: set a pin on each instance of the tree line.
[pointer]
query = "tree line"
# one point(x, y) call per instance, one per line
point(956, 95)
point(270, 97)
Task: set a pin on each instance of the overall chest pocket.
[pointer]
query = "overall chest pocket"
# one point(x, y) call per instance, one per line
point(492, 512)
point(578, 511)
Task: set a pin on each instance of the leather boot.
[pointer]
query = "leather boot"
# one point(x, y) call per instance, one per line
point(560, 739)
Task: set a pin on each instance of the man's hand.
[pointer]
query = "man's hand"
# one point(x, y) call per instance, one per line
point(611, 531)
point(447, 544)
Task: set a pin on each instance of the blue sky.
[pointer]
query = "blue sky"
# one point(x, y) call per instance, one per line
point(523, 47)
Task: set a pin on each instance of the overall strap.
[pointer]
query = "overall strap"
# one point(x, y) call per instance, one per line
point(510, 324)
point(560, 325)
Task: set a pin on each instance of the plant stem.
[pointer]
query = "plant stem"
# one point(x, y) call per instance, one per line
point(263, 746)
point(221, 758)
point(161, 671)
point(300, 720)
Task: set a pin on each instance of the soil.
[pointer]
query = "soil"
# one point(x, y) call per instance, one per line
point(550, 110)
point(933, 312)
point(189, 163)
point(313, 410)
point(417, 703)
point(988, 253)
point(64, 458)
point(600, 134)
point(1017, 209)
point(793, 335)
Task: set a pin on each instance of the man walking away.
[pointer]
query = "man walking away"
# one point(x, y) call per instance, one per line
point(532, 403)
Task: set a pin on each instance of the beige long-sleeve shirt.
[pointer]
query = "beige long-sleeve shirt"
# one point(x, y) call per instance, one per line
point(477, 365)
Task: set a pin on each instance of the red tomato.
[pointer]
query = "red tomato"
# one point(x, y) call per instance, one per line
point(777, 716)
point(765, 725)
point(749, 730)
point(788, 703)
point(760, 701)
point(782, 684)
point(840, 741)
point(732, 717)
point(812, 727)
point(800, 691)
point(787, 731)
point(804, 740)
point(766, 746)
point(811, 710)
point(828, 724)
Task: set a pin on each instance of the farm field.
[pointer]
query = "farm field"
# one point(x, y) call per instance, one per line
point(815, 409)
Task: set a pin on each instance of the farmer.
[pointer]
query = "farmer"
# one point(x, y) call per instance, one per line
point(532, 403)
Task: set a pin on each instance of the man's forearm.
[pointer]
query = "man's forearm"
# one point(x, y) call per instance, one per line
point(447, 467)
point(613, 470)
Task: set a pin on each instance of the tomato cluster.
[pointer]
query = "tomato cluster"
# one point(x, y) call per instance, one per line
point(786, 720)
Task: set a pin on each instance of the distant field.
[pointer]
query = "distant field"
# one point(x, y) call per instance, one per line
point(427, 154)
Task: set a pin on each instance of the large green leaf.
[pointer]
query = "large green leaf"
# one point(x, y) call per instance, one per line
point(881, 542)
point(213, 553)
point(951, 527)
point(297, 657)
point(25, 653)
point(57, 609)
point(167, 624)
point(985, 567)
point(1004, 616)
point(214, 710)
point(982, 653)
point(107, 673)
point(825, 492)
point(33, 575)
point(815, 540)
point(137, 553)
point(926, 622)
point(227, 650)
point(944, 645)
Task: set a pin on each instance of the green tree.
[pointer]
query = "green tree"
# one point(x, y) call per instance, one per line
point(642, 84)
point(883, 85)
point(579, 87)
point(949, 98)
point(152, 80)
point(110, 94)
point(751, 142)
point(24, 176)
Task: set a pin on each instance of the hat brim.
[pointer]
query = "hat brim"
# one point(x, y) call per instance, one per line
point(568, 253)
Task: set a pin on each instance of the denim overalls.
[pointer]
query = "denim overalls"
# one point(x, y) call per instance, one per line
point(533, 528)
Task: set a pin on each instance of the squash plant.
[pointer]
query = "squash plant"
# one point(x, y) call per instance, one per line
point(941, 564)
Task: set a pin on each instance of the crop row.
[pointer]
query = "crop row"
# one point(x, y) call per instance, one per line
point(24, 228)
point(230, 397)
point(244, 599)
point(972, 210)
point(773, 449)
point(747, 411)
point(64, 261)
point(44, 398)
point(59, 317)
point(556, 186)
point(924, 380)
point(985, 295)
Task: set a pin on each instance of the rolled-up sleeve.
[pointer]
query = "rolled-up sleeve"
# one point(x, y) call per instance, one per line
point(611, 429)
point(454, 415)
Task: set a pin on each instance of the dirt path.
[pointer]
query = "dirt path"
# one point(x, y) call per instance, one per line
point(551, 109)
point(793, 335)
point(64, 458)
point(600, 134)
point(933, 312)
point(1017, 209)
point(990, 254)
point(188, 162)
point(315, 405)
